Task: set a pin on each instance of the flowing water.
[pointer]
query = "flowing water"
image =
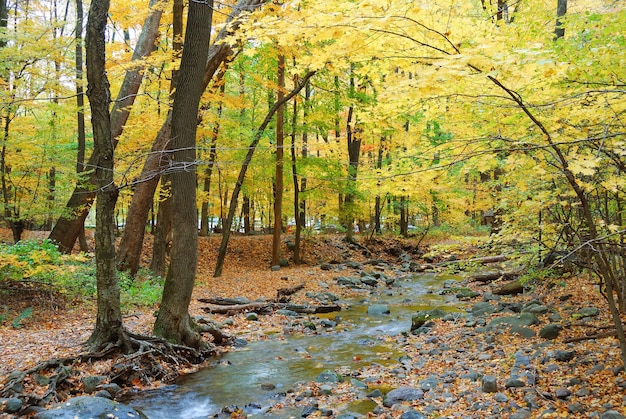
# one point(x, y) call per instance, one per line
point(253, 377)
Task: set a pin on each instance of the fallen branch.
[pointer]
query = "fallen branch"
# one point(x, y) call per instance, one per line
point(611, 333)
point(284, 292)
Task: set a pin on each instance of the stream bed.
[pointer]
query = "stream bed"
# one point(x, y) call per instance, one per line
point(255, 377)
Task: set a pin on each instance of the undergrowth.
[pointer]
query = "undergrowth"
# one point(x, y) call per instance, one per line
point(37, 267)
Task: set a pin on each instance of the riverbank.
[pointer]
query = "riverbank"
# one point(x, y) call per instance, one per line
point(459, 367)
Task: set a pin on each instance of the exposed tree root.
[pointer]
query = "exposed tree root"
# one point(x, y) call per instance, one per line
point(150, 359)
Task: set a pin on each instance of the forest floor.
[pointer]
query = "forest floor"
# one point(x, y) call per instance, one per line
point(592, 383)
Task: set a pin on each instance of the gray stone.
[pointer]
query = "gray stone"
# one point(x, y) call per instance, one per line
point(523, 331)
point(489, 384)
point(482, 308)
point(536, 309)
point(10, 405)
point(550, 331)
point(328, 376)
point(562, 393)
point(588, 312)
point(403, 394)
point(611, 414)
point(378, 309)
point(523, 319)
point(412, 414)
point(358, 384)
point(521, 414)
point(374, 394)
point(369, 280)
point(514, 383)
point(90, 407)
point(252, 317)
point(429, 383)
point(500, 397)
point(564, 356)
point(91, 383)
point(348, 282)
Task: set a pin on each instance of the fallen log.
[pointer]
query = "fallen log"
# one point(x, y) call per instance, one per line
point(258, 307)
point(485, 260)
point(265, 307)
point(283, 293)
point(307, 309)
point(224, 301)
point(492, 276)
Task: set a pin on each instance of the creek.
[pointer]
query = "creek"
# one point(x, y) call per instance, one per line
point(254, 377)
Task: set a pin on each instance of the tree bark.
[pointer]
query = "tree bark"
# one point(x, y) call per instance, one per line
point(69, 226)
point(109, 315)
point(173, 321)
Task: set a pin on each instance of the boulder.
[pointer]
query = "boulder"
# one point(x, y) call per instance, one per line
point(90, 407)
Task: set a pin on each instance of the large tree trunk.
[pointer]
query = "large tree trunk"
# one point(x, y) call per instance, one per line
point(220, 52)
point(173, 322)
point(109, 315)
point(69, 226)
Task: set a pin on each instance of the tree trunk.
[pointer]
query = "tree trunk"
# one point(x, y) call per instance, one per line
point(69, 227)
point(561, 10)
point(278, 196)
point(80, 108)
point(109, 315)
point(299, 207)
point(173, 321)
point(130, 247)
point(245, 209)
point(228, 222)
